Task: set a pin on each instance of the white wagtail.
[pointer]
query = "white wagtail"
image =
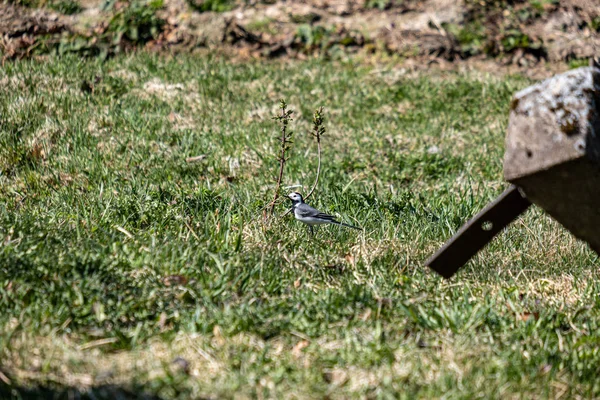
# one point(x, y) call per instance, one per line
point(311, 216)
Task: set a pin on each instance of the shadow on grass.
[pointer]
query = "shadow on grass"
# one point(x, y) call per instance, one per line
point(112, 392)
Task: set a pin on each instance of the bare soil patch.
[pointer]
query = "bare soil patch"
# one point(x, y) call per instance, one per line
point(526, 34)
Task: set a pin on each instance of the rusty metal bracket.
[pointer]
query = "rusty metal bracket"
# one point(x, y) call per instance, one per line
point(478, 232)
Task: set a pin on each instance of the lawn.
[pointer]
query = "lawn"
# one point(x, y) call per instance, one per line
point(126, 270)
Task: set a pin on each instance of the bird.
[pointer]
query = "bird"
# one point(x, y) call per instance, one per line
point(311, 216)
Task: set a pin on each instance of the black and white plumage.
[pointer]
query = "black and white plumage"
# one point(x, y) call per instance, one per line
point(311, 216)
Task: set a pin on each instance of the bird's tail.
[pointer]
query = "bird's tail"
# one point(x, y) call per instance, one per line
point(348, 226)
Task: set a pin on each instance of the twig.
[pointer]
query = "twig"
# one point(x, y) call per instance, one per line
point(99, 342)
point(4, 378)
point(195, 159)
point(191, 230)
point(124, 231)
point(284, 119)
point(437, 24)
point(287, 212)
point(317, 132)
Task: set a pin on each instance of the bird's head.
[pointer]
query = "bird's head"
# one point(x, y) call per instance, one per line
point(295, 197)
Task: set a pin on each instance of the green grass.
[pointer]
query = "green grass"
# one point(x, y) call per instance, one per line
point(117, 256)
point(212, 5)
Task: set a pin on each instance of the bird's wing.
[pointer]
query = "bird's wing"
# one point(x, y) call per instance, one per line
point(327, 217)
point(305, 211)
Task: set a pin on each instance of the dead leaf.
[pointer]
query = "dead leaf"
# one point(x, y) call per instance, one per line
point(526, 316)
point(349, 258)
point(175, 280)
point(65, 178)
point(366, 315)
point(544, 369)
point(218, 337)
point(384, 302)
point(301, 345)
point(162, 320)
point(335, 377)
point(37, 152)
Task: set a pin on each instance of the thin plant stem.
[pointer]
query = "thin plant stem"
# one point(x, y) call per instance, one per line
point(284, 118)
point(318, 131)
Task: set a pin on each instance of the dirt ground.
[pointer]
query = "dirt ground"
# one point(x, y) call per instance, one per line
point(537, 38)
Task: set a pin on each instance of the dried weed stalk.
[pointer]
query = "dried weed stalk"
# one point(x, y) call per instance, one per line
point(317, 132)
point(284, 119)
